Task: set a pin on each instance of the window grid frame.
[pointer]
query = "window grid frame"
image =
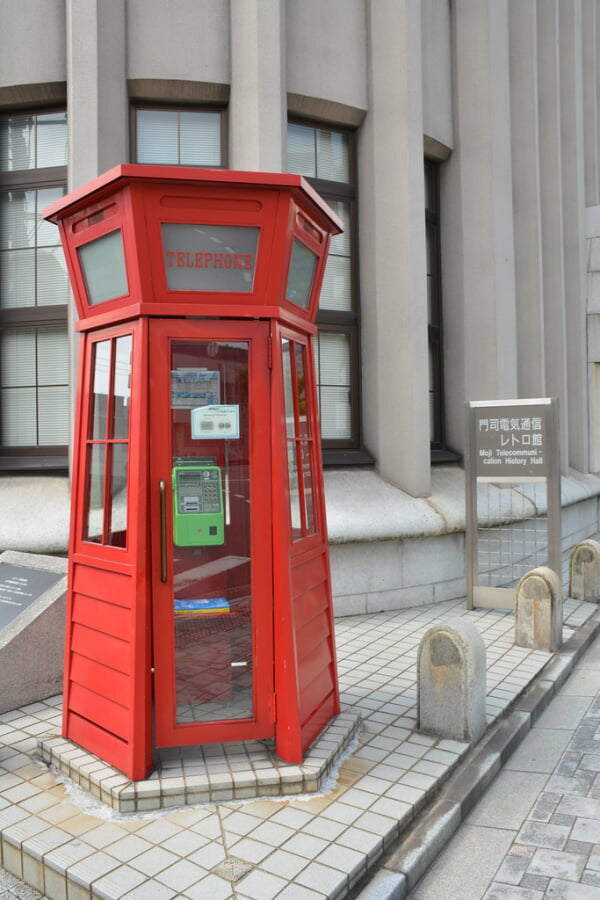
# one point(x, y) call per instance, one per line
point(349, 450)
point(35, 457)
point(179, 108)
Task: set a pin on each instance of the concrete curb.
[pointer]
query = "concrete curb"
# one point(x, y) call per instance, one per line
point(400, 869)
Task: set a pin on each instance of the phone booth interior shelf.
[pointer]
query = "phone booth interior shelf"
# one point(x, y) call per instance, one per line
point(199, 601)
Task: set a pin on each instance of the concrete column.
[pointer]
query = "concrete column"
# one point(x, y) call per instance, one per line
point(393, 267)
point(477, 217)
point(549, 120)
point(257, 106)
point(591, 99)
point(96, 88)
point(529, 283)
point(573, 191)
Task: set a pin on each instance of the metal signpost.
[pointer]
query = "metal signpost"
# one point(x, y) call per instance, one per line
point(512, 477)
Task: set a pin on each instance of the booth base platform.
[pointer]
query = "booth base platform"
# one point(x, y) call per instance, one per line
point(211, 773)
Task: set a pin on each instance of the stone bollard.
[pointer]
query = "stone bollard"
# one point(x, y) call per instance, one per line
point(584, 571)
point(538, 610)
point(451, 682)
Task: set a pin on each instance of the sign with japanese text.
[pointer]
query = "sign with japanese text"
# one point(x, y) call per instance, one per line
point(19, 588)
point(511, 441)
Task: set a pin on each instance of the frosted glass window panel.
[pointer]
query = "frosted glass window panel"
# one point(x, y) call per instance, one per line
point(52, 280)
point(200, 143)
point(157, 137)
point(17, 357)
point(47, 233)
point(103, 266)
point(301, 273)
point(332, 156)
point(51, 140)
point(336, 288)
point(52, 356)
point(334, 358)
point(19, 426)
point(17, 220)
point(301, 151)
point(17, 143)
point(53, 416)
point(17, 278)
point(335, 413)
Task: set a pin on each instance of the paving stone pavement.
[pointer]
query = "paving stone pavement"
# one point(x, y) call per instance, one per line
point(289, 848)
point(536, 832)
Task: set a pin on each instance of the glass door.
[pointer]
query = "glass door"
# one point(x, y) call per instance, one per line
point(212, 582)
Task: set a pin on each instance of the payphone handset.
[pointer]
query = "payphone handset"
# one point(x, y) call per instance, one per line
point(198, 519)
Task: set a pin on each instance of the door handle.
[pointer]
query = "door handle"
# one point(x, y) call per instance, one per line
point(162, 486)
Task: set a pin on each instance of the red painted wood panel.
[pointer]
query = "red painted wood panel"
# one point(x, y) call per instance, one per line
point(97, 582)
point(107, 682)
point(103, 648)
point(102, 616)
point(102, 712)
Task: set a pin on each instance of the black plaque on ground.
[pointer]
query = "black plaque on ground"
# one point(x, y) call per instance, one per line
point(20, 587)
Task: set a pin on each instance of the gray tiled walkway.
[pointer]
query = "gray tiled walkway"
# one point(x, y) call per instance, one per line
point(536, 832)
point(69, 846)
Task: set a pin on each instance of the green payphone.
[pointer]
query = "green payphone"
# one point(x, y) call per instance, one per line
point(198, 519)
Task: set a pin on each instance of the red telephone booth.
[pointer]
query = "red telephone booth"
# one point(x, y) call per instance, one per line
point(199, 606)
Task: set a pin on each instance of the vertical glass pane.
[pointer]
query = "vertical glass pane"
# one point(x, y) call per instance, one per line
point(51, 278)
point(335, 413)
point(200, 139)
point(52, 356)
point(53, 416)
point(101, 383)
point(294, 491)
point(335, 410)
point(157, 136)
point(51, 140)
point(288, 389)
point(117, 532)
point(336, 289)
point(17, 278)
point(301, 388)
point(211, 552)
point(17, 357)
point(308, 480)
point(17, 220)
point(17, 143)
point(334, 358)
point(47, 233)
point(18, 417)
point(122, 386)
point(301, 151)
point(95, 494)
point(332, 156)
point(341, 244)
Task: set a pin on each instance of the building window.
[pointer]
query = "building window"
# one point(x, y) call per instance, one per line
point(34, 294)
point(439, 451)
point(326, 158)
point(179, 137)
